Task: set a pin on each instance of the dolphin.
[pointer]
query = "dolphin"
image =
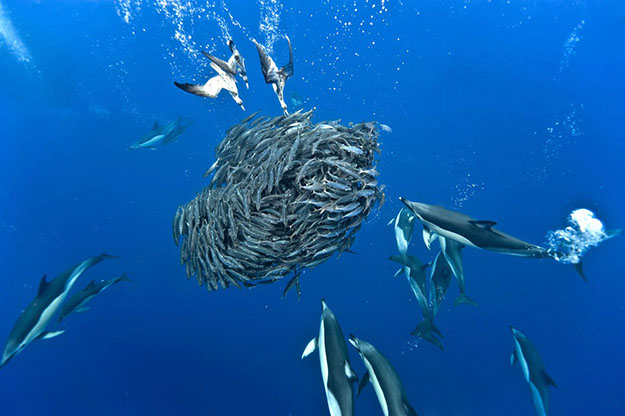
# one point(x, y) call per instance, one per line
point(452, 251)
point(32, 323)
point(470, 232)
point(403, 225)
point(440, 278)
point(274, 76)
point(415, 274)
point(161, 135)
point(383, 376)
point(336, 370)
point(533, 371)
point(77, 302)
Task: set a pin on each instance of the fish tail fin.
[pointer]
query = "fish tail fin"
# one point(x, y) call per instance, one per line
point(580, 270)
point(463, 298)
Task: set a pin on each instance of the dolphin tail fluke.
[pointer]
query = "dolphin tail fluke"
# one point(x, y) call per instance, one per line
point(409, 410)
point(463, 298)
point(425, 330)
point(124, 278)
point(580, 270)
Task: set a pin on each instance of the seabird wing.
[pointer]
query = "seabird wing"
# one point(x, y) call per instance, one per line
point(192, 88)
point(287, 70)
point(225, 66)
point(268, 66)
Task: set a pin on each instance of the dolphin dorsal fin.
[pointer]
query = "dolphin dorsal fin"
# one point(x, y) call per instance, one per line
point(363, 382)
point(91, 284)
point(155, 126)
point(548, 379)
point(483, 224)
point(43, 284)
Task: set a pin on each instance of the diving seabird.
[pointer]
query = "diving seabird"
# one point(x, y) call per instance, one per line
point(239, 61)
point(274, 76)
point(223, 80)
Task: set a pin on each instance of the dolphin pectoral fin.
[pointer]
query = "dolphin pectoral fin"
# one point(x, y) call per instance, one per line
point(83, 309)
point(483, 224)
point(50, 334)
point(398, 272)
point(312, 346)
point(463, 298)
point(363, 382)
point(614, 233)
point(409, 410)
point(512, 358)
point(580, 270)
point(351, 375)
point(391, 222)
point(43, 284)
point(548, 379)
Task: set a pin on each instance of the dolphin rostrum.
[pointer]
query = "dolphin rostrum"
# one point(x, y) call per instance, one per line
point(77, 302)
point(533, 371)
point(336, 370)
point(386, 383)
point(274, 76)
point(32, 323)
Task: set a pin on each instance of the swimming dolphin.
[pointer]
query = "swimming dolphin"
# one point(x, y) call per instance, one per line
point(336, 370)
point(274, 76)
point(415, 274)
point(161, 135)
point(475, 233)
point(533, 371)
point(452, 251)
point(223, 80)
point(32, 323)
point(386, 382)
point(470, 232)
point(78, 301)
point(403, 225)
point(440, 278)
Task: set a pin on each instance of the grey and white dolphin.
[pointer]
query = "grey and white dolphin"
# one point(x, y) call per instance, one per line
point(336, 371)
point(274, 76)
point(32, 323)
point(440, 278)
point(452, 251)
point(77, 302)
point(470, 232)
point(403, 225)
point(415, 274)
point(533, 370)
point(161, 135)
point(386, 383)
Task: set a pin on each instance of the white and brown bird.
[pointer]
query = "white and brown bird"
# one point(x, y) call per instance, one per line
point(274, 76)
point(225, 79)
point(237, 61)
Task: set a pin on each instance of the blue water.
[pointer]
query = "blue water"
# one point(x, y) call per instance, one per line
point(507, 111)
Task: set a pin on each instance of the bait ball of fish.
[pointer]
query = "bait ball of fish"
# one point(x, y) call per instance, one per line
point(285, 194)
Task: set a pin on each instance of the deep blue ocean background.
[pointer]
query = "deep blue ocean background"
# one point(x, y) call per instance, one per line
point(508, 111)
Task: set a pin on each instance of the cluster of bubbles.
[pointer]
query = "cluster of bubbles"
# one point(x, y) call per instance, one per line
point(191, 22)
point(10, 37)
point(584, 231)
point(465, 190)
point(569, 46)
